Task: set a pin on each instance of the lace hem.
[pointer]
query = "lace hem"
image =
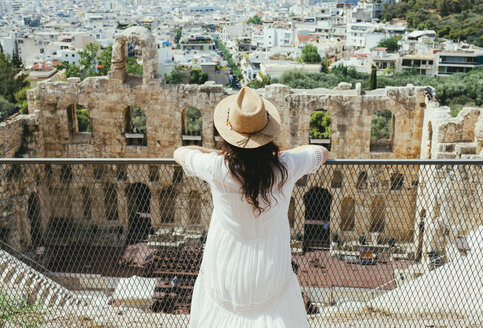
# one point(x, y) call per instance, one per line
point(246, 308)
point(317, 159)
point(183, 153)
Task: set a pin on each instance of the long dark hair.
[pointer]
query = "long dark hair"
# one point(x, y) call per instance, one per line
point(256, 169)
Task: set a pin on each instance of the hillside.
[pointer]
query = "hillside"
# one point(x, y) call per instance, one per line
point(458, 20)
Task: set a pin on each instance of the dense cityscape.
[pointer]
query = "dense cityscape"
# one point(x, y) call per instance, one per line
point(99, 227)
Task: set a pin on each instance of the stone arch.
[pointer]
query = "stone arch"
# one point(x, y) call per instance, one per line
point(78, 119)
point(139, 212)
point(167, 205)
point(135, 129)
point(191, 126)
point(378, 214)
point(317, 203)
point(382, 131)
point(337, 179)
point(347, 211)
point(145, 39)
point(194, 203)
point(35, 220)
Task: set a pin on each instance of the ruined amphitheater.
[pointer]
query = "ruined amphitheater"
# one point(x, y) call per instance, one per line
point(421, 129)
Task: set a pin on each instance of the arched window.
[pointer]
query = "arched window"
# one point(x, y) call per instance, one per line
point(382, 131)
point(347, 209)
point(362, 180)
point(337, 180)
point(135, 130)
point(110, 202)
point(191, 126)
point(167, 205)
point(397, 181)
point(378, 215)
point(79, 120)
point(291, 212)
point(320, 128)
point(194, 203)
point(134, 59)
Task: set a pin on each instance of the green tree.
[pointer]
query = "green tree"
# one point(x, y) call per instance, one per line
point(138, 119)
point(260, 83)
point(255, 20)
point(177, 34)
point(390, 43)
point(320, 123)
point(88, 60)
point(21, 98)
point(10, 81)
point(5, 105)
point(71, 70)
point(324, 65)
point(83, 119)
point(381, 125)
point(373, 80)
point(198, 77)
point(175, 77)
point(104, 59)
point(193, 121)
point(310, 54)
point(133, 67)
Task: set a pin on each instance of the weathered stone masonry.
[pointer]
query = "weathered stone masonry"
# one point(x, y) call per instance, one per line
point(421, 129)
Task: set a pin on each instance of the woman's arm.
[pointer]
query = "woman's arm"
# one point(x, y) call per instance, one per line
point(178, 151)
point(301, 148)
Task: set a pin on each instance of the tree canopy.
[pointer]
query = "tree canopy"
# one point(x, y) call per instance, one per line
point(453, 19)
point(13, 86)
point(310, 54)
point(255, 20)
point(390, 43)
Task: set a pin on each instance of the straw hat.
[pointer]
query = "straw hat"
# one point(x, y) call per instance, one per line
point(246, 120)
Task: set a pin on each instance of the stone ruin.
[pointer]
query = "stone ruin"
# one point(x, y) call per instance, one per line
point(421, 129)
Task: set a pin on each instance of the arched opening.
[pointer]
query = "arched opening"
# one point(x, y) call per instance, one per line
point(135, 130)
point(86, 203)
point(139, 212)
point(362, 180)
point(430, 139)
point(320, 128)
point(194, 203)
point(337, 179)
point(167, 205)
point(35, 220)
point(134, 59)
point(192, 125)
point(79, 120)
point(291, 212)
point(397, 181)
point(347, 210)
point(317, 203)
point(110, 202)
point(378, 215)
point(382, 131)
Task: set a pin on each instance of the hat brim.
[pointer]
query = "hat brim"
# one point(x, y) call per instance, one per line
point(245, 140)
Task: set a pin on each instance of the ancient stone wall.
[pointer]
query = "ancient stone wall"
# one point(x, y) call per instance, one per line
point(421, 129)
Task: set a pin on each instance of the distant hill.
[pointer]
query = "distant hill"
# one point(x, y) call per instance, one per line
point(458, 20)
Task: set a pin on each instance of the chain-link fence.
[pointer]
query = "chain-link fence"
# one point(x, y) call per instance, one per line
point(115, 243)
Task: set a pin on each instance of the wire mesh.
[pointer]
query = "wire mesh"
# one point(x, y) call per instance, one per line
point(113, 243)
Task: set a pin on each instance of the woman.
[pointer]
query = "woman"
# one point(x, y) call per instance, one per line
point(246, 278)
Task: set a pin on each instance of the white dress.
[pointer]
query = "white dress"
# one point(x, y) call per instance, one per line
point(246, 277)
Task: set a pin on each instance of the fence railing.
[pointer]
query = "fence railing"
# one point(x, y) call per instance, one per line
point(374, 241)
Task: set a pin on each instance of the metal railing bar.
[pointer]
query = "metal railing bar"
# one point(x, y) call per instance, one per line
point(171, 161)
